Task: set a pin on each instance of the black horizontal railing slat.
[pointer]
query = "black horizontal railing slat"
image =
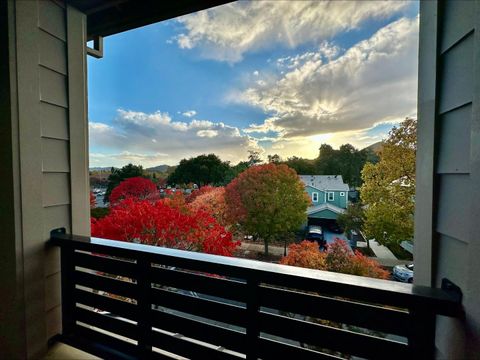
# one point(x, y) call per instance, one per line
point(106, 303)
point(189, 349)
point(230, 314)
point(107, 322)
point(204, 284)
point(373, 317)
point(105, 264)
point(200, 330)
point(205, 306)
point(338, 339)
point(103, 283)
point(273, 349)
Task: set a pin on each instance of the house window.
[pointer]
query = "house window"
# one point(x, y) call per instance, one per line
point(342, 194)
point(315, 197)
point(331, 196)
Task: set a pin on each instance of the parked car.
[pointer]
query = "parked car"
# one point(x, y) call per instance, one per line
point(403, 273)
point(315, 233)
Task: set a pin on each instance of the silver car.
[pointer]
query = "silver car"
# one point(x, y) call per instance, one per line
point(403, 273)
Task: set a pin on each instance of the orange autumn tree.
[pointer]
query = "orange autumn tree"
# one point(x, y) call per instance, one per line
point(213, 202)
point(337, 258)
point(267, 200)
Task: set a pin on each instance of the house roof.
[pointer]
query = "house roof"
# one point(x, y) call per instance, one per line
point(314, 209)
point(108, 17)
point(325, 182)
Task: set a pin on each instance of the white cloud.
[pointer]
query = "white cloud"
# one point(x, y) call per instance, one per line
point(227, 32)
point(372, 82)
point(189, 113)
point(207, 133)
point(130, 138)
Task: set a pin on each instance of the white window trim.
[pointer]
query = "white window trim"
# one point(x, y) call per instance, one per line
point(313, 194)
point(333, 196)
point(342, 194)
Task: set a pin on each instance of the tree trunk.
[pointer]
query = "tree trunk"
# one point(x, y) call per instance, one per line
point(265, 241)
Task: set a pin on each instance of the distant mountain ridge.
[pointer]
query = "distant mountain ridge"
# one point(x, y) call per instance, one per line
point(375, 147)
point(159, 168)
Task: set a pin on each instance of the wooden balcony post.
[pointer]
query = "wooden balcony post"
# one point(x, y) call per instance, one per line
point(422, 337)
point(144, 304)
point(253, 330)
point(68, 288)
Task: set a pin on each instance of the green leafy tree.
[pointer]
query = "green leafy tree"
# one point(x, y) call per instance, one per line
point(267, 200)
point(302, 166)
point(118, 175)
point(275, 158)
point(200, 170)
point(388, 189)
point(346, 161)
point(254, 158)
point(353, 218)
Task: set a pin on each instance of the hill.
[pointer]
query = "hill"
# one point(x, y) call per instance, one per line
point(159, 168)
point(375, 148)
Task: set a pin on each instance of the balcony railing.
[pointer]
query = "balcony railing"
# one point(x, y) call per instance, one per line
point(125, 300)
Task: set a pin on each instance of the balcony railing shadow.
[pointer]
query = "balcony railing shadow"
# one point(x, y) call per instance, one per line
point(124, 300)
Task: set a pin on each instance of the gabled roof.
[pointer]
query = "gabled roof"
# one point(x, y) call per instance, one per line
point(314, 209)
point(325, 182)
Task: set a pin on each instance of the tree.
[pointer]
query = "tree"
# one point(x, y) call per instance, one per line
point(136, 187)
point(118, 175)
point(213, 202)
point(200, 170)
point(203, 190)
point(301, 166)
point(93, 201)
point(267, 200)
point(388, 189)
point(305, 254)
point(346, 161)
point(254, 158)
point(337, 258)
point(274, 159)
point(353, 218)
point(157, 223)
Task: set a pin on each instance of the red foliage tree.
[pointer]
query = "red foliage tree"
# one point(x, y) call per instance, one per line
point(203, 190)
point(93, 201)
point(136, 187)
point(158, 223)
point(337, 258)
point(213, 202)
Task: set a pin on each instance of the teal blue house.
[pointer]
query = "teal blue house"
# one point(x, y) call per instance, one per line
point(328, 195)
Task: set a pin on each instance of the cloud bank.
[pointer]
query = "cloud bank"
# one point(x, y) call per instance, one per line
point(373, 82)
point(150, 139)
point(227, 32)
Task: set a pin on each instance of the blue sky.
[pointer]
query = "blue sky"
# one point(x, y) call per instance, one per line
point(275, 77)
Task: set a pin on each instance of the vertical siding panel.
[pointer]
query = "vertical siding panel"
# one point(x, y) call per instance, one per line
point(473, 278)
point(31, 175)
point(427, 97)
point(77, 89)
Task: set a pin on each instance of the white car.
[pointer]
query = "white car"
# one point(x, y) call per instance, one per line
point(403, 273)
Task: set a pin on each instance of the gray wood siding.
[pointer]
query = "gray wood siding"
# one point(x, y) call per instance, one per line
point(454, 130)
point(51, 72)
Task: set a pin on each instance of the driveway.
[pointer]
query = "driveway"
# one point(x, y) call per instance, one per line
point(331, 236)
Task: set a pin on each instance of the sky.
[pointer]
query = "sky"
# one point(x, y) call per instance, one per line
point(277, 77)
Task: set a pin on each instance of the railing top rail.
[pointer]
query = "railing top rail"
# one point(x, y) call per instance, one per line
point(351, 286)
